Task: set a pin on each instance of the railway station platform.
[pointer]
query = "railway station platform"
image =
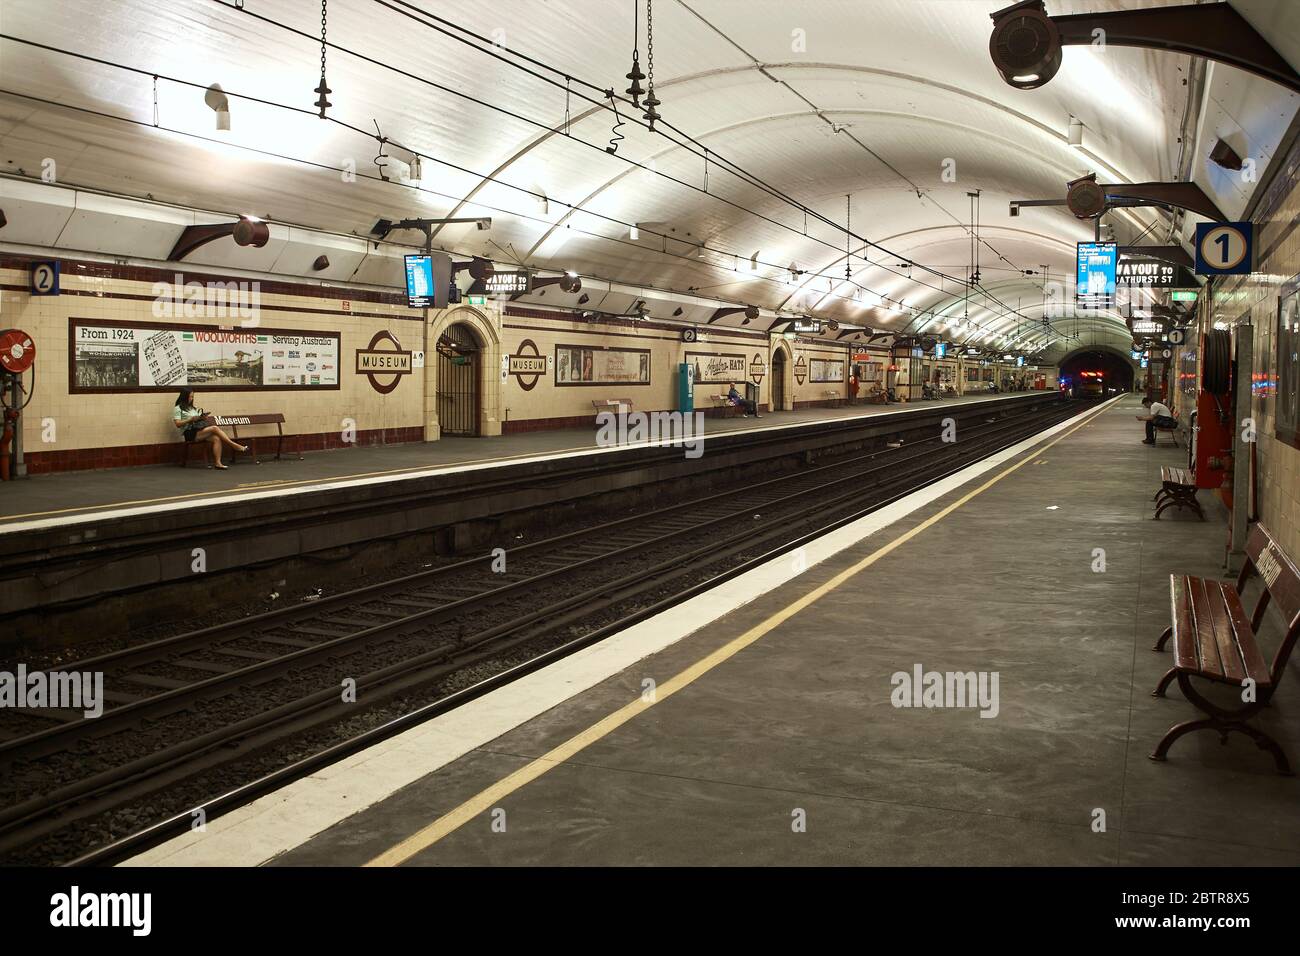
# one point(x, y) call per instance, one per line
point(64, 498)
point(759, 723)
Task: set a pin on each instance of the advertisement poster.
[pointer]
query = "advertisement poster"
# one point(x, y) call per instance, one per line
point(826, 370)
point(718, 368)
point(124, 357)
point(586, 365)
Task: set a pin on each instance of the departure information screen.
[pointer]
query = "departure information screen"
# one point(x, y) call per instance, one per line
point(1095, 287)
point(419, 282)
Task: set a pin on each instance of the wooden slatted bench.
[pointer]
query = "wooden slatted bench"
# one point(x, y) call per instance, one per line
point(1214, 641)
point(232, 424)
point(723, 402)
point(1170, 430)
point(1177, 490)
point(616, 405)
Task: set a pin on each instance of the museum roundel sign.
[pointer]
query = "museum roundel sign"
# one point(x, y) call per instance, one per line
point(384, 366)
point(800, 369)
point(528, 365)
point(757, 368)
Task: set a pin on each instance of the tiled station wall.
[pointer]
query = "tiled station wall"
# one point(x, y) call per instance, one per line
point(1255, 299)
point(62, 430)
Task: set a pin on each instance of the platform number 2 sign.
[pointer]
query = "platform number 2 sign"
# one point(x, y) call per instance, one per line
point(45, 278)
point(1224, 248)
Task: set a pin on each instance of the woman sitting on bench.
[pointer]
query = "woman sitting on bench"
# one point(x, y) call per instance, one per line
point(1160, 417)
point(199, 427)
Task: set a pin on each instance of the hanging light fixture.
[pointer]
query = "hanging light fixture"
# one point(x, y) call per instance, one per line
point(323, 90)
point(635, 74)
point(217, 101)
point(651, 101)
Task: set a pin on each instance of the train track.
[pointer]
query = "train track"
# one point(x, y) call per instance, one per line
point(184, 703)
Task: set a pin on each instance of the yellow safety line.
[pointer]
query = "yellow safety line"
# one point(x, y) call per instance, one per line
point(489, 798)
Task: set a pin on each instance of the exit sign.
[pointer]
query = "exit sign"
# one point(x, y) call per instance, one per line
point(478, 300)
point(1183, 295)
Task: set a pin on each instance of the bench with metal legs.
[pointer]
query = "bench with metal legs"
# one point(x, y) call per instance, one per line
point(1214, 641)
point(1177, 490)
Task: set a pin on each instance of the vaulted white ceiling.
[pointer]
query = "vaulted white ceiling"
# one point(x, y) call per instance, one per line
point(815, 101)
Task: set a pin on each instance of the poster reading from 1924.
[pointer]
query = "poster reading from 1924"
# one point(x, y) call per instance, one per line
point(584, 365)
point(125, 357)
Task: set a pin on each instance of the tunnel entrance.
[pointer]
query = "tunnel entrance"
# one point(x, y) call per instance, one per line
point(458, 381)
point(1097, 373)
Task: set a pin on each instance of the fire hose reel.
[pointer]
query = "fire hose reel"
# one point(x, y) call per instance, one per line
point(17, 351)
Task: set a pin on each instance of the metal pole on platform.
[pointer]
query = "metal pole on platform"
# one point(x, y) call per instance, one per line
point(1243, 348)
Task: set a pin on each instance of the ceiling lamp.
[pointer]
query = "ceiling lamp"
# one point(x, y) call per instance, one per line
point(1075, 136)
point(633, 233)
point(219, 104)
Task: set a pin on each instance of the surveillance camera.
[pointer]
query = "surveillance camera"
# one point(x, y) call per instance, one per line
point(482, 224)
point(1014, 208)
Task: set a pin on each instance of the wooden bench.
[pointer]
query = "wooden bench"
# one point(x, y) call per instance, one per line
point(1177, 490)
point(1213, 640)
point(231, 424)
point(617, 405)
point(1170, 430)
point(723, 402)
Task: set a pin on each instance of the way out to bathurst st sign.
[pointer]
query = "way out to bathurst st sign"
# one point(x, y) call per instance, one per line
point(384, 366)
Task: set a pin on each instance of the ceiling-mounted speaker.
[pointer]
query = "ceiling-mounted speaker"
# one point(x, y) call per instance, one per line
point(480, 269)
point(1085, 198)
point(1225, 156)
point(751, 312)
point(321, 264)
point(1025, 45)
point(251, 232)
point(570, 283)
point(3, 221)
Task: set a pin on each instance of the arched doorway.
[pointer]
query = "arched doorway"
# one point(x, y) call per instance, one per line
point(776, 401)
point(459, 356)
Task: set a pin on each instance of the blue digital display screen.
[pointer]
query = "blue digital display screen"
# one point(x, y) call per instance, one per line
point(1095, 287)
point(940, 349)
point(419, 281)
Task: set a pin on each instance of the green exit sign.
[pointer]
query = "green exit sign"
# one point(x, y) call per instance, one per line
point(478, 300)
point(1184, 295)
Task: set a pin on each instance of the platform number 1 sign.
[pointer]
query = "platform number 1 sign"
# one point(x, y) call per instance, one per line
point(1224, 248)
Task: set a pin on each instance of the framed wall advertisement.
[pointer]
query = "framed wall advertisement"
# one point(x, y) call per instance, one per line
point(107, 356)
point(600, 365)
point(825, 370)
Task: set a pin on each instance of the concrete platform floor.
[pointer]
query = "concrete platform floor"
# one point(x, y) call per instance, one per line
point(802, 720)
point(84, 492)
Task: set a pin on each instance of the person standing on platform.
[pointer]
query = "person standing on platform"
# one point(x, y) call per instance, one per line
point(1160, 417)
point(853, 388)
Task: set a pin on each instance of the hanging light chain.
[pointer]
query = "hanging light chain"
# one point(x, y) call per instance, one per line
point(651, 101)
point(323, 90)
